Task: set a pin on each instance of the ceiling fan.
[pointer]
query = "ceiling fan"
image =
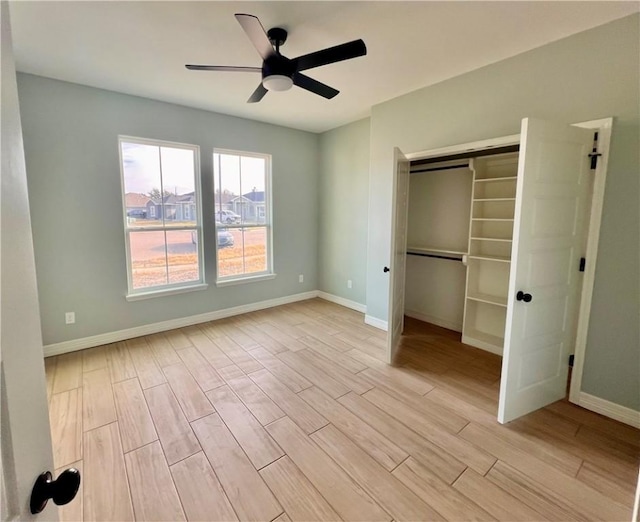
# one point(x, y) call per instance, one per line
point(280, 73)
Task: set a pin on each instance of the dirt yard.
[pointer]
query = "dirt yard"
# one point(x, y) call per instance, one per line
point(149, 265)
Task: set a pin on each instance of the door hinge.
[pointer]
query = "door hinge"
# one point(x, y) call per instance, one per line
point(583, 262)
point(571, 357)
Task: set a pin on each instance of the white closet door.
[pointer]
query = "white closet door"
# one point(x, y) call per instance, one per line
point(400, 208)
point(544, 280)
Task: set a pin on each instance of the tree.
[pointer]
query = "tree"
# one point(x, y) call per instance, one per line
point(154, 194)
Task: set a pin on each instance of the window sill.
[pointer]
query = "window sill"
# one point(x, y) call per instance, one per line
point(243, 280)
point(168, 291)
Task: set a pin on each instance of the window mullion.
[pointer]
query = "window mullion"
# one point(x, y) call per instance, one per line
point(164, 224)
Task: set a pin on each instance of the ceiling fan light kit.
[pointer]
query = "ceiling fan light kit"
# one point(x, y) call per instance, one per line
point(280, 73)
point(277, 82)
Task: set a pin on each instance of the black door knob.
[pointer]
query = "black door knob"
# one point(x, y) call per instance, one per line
point(521, 296)
point(386, 269)
point(62, 490)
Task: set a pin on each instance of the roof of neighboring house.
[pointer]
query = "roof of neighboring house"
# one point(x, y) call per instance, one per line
point(224, 197)
point(255, 196)
point(238, 198)
point(133, 199)
point(172, 199)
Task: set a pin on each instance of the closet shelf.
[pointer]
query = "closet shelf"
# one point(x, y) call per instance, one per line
point(492, 219)
point(487, 298)
point(486, 180)
point(485, 339)
point(480, 200)
point(492, 239)
point(499, 259)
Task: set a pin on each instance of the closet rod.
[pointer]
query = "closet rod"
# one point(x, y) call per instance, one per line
point(434, 169)
point(437, 256)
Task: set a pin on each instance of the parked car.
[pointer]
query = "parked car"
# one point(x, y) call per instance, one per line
point(225, 238)
point(137, 213)
point(227, 216)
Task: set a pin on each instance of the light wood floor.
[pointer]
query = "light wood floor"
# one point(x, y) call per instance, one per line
point(290, 414)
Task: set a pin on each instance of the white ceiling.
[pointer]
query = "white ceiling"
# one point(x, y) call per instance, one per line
point(140, 48)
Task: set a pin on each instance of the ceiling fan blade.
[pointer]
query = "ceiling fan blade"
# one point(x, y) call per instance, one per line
point(256, 34)
point(258, 94)
point(338, 53)
point(314, 86)
point(229, 68)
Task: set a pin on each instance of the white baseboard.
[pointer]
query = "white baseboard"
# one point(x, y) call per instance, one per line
point(147, 329)
point(449, 325)
point(374, 321)
point(609, 409)
point(343, 302)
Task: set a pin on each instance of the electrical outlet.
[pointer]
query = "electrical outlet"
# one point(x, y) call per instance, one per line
point(70, 317)
point(349, 283)
point(301, 278)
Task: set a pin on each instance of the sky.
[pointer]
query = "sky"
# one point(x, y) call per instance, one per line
point(238, 174)
point(143, 165)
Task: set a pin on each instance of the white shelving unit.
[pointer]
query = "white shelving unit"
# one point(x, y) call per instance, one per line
point(489, 258)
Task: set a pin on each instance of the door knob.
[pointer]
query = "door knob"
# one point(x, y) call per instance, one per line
point(62, 490)
point(521, 296)
point(386, 269)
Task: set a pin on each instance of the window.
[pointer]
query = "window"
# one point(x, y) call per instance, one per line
point(164, 250)
point(242, 182)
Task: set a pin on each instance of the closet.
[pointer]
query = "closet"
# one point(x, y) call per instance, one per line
point(528, 218)
point(459, 236)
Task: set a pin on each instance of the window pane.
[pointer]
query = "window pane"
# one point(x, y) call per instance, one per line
point(227, 188)
point(247, 255)
point(182, 255)
point(148, 259)
point(255, 250)
point(230, 251)
point(142, 179)
point(252, 188)
point(178, 182)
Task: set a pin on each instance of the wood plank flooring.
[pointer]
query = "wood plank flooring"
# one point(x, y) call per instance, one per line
point(290, 414)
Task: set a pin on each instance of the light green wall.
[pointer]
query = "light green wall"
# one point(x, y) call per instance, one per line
point(344, 201)
point(590, 75)
point(70, 136)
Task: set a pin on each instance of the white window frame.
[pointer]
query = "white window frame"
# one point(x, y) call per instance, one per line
point(135, 294)
point(268, 224)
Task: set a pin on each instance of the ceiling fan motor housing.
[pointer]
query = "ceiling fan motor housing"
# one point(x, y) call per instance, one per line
point(278, 64)
point(277, 73)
